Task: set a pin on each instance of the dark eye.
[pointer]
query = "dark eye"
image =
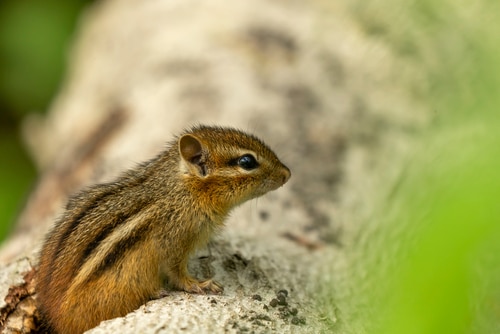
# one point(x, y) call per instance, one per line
point(247, 162)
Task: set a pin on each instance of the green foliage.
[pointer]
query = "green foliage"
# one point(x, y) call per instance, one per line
point(34, 38)
point(435, 286)
point(34, 41)
point(444, 274)
point(16, 176)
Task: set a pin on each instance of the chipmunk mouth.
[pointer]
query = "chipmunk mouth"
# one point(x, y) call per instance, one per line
point(282, 177)
point(273, 184)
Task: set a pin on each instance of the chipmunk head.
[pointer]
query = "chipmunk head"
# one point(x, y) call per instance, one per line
point(229, 164)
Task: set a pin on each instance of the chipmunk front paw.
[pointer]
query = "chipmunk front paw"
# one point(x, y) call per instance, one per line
point(192, 285)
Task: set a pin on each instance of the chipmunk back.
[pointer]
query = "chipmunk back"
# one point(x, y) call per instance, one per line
point(115, 243)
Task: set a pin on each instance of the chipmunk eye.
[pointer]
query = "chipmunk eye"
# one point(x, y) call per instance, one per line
point(247, 162)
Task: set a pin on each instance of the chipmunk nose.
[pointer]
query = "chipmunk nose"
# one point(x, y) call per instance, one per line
point(285, 174)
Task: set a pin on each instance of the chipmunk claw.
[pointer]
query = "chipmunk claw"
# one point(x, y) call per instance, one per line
point(209, 286)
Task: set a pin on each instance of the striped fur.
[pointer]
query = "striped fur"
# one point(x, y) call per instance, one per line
point(109, 252)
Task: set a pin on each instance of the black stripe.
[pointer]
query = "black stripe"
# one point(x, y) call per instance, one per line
point(103, 234)
point(120, 248)
point(76, 220)
point(116, 220)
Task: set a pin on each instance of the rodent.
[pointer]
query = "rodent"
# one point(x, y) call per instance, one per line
point(116, 242)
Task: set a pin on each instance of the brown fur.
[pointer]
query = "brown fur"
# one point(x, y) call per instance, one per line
point(115, 242)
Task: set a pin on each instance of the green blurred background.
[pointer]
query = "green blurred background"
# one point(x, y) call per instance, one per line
point(433, 264)
point(35, 37)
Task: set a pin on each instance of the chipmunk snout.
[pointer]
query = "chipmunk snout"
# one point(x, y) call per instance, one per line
point(285, 174)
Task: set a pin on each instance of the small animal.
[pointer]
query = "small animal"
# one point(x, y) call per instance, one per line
point(117, 242)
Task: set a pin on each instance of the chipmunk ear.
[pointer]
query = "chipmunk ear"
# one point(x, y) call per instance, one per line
point(191, 151)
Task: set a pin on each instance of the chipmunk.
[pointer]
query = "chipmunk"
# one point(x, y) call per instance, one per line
point(115, 243)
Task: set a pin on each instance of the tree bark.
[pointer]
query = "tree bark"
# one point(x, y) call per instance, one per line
point(329, 98)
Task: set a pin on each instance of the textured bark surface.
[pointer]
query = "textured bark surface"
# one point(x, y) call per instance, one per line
point(337, 105)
